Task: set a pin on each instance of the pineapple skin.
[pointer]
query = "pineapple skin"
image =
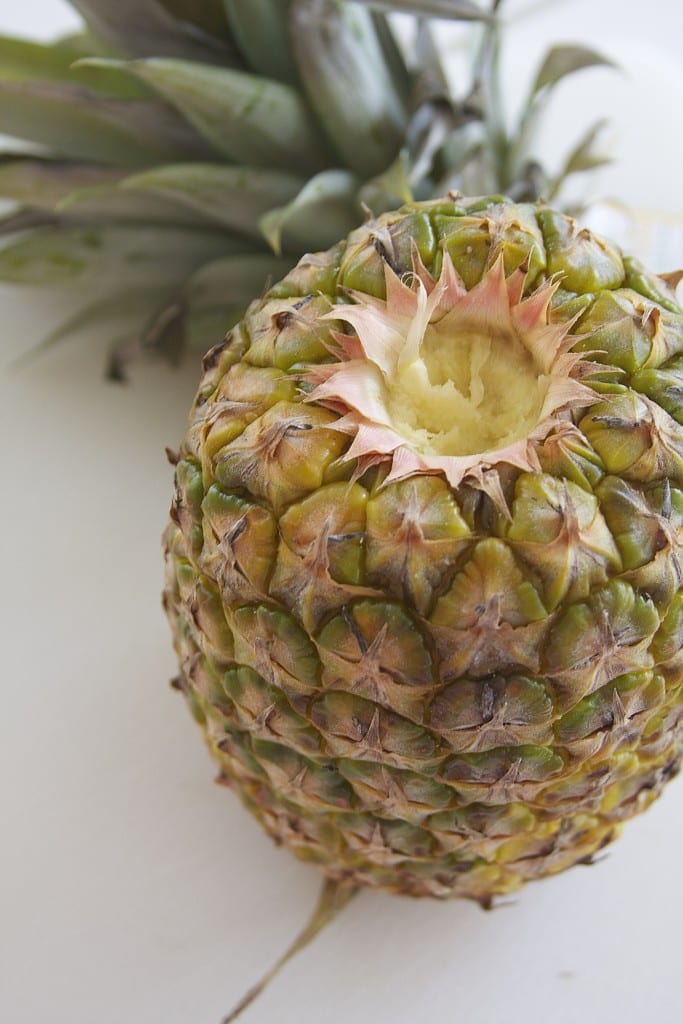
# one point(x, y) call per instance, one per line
point(420, 687)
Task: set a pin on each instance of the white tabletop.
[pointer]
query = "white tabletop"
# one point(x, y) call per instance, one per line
point(133, 890)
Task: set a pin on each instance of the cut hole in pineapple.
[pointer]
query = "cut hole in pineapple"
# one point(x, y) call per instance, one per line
point(466, 393)
point(437, 378)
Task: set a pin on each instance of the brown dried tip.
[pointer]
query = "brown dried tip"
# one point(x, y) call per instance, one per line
point(672, 279)
point(334, 896)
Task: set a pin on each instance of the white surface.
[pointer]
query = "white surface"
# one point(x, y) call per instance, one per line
point(133, 891)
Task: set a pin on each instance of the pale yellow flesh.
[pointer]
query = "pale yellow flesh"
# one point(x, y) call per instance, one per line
point(466, 394)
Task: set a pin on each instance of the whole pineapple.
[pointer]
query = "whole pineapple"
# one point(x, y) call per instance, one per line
point(425, 564)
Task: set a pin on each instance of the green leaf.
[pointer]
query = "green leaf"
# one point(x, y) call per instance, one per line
point(76, 123)
point(564, 60)
point(207, 327)
point(182, 194)
point(25, 61)
point(45, 183)
point(111, 204)
point(349, 83)
point(459, 10)
point(232, 280)
point(86, 193)
point(324, 211)
point(132, 304)
point(23, 218)
point(582, 157)
point(261, 31)
point(164, 332)
point(389, 189)
point(394, 58)
point(247, 118)
point(235, 197)
point(141, 28)
point(431, 79)
point(436, 118)
point(209, 15)
point(82, 43)
point(140, 256)
point(559, 62)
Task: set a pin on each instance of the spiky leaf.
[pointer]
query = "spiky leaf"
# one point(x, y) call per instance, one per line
point(76, 123)
point(235, 197)
point(561, 61)
point(323, 210)
point(261, 31)
point(225, 282)
point(96, 255)
point(23, 60)
point(142, 27)
point(249, 119)
point(582, 157)
point(348, 83)
point(459, 10)
point(45, 183)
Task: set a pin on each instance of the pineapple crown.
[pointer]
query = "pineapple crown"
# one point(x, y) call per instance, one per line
point(189, 152)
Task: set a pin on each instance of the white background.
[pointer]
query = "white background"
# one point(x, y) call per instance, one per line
point(132, 890)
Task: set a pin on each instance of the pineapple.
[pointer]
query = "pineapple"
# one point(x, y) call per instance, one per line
point(425, 557)
point(173, 157)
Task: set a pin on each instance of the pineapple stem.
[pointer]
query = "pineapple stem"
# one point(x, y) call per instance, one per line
point(333, 897)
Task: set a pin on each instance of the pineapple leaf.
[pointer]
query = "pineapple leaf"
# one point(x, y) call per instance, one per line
point(582, 157)
point(205, 327)
point(437, 119)
point(324, 210)
point(23, 60)
point(164, 332)
point(133, 303)
point(235, 197)
point(393, 58)
point(112, 204)
point(82, 43)
point(23, 218)
point(208, 15)
point(76, 123)
point(140, 28)
point(247, 118)
point(388, 189)
point(348, 82)
point(561, 61)
point(184, 194)
point(225, 282)
point(138, 256)
point(431, 79)
point(45, 183)
point(261, 30)
point(459, 10)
